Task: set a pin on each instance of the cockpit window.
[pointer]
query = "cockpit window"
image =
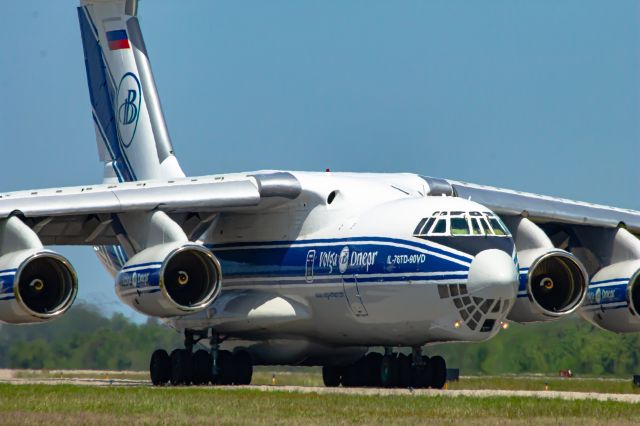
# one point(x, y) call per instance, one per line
point(459, 226)
point(498, 226)
point(487, 227)
point(418, 230)
point(476, 228)
point(458, 223)
point(440, 226)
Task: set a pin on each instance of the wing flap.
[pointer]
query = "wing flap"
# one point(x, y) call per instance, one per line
point(108, 199)
point(542, 208)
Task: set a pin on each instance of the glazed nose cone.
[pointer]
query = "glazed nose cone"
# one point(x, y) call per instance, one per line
point(493, 274)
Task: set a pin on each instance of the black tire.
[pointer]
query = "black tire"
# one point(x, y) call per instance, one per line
point(181, 367)
point(202, 366)
point(404, 371)
point(350, 376)
point(243, 368)
point(226, 368)
point(439, 372)
point(421, 374)
point(160, 367)
point(331, 376)
point(374, 362)
point(361, 369)
point(389, 371)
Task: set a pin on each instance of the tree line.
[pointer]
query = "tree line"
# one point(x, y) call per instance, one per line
point(85, 338)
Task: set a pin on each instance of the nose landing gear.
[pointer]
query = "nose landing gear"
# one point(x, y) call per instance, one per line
point(392, 370)
point(183, 367)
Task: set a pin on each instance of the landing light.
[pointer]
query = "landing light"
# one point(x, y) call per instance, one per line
point(457, 324)
point(504, 325)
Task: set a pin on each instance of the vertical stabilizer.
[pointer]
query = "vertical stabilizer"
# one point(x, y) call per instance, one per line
point(132, 136)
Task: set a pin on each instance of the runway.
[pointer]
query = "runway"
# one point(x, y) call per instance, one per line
point(9, 377)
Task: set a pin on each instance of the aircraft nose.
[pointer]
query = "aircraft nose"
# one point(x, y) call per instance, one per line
point(493, 274)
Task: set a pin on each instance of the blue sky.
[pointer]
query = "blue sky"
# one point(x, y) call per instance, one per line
point(539, 96)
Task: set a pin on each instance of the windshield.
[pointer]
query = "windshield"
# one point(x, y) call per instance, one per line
point(457, 223)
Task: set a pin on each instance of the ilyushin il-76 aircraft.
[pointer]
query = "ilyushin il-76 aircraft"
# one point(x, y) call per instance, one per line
point(301, 268)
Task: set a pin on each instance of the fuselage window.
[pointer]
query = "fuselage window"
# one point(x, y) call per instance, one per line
point(459, 226)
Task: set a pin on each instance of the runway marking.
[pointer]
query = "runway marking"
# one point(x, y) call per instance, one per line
point(475, 393)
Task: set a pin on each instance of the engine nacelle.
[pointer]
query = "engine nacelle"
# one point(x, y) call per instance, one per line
point(35, 286)
point(613, 299)
point(170, 280)
point(553, 283)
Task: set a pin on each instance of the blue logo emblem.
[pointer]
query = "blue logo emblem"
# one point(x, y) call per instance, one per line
point(127, 107)
point(128, 112)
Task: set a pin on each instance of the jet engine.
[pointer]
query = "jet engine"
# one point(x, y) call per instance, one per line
point(170, 280)
point(613, 299)
point(553, 283)
point(36, 285)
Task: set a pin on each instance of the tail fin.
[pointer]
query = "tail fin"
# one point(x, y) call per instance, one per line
point(132, 136)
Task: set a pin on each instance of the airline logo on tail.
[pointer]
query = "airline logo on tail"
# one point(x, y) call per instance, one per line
point(118, 40)
point(127, 107)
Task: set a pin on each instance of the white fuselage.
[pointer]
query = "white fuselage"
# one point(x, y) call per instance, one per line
point(339, 266)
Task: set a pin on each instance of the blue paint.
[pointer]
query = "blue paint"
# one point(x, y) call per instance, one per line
point(369, 261)
point(607, 294)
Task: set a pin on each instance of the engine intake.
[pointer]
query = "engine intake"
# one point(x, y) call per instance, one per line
point(170, 280)
point(190, 278)
point(553, 283)
point(557, 283)
point(35, 286)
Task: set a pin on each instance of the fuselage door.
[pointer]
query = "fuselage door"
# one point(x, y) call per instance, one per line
point(311, 257)
point(353, 295)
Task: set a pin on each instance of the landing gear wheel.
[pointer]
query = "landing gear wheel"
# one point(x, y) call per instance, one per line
point(439, 375)
point(202, 364)
point(389, 371)
point(243, 368)
point(361, 370)
point(374, 362)
point(181, 367)
point(353, 375)
point(160, 367)
point(226, 366)
point(331, 376)
point(422, 374)
point(404, 371)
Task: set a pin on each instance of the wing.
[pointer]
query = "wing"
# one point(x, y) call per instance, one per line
point(84, 215)
point(547, 210)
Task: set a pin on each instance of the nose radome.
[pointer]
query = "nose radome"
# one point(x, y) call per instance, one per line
point(493, 274)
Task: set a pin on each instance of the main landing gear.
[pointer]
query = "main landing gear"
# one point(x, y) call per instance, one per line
point(184, 367)
point(391, 370)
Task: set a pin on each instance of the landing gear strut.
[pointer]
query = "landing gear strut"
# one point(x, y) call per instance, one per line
point(183, 367)
point(391, 370)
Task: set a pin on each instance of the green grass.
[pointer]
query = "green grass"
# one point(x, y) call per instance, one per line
point(85, 374)
point(552, 383)
point(27, 404)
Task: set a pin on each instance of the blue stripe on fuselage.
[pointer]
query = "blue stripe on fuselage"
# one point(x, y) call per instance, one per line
point(370, 259)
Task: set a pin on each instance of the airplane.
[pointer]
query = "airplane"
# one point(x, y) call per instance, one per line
point(276, 267)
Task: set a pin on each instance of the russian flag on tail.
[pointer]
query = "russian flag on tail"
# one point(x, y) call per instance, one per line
point(118, 40)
